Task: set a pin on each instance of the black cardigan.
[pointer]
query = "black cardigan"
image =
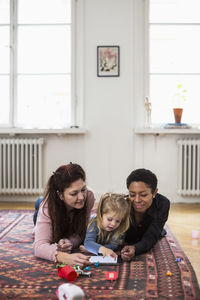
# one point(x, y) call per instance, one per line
point(144, 235)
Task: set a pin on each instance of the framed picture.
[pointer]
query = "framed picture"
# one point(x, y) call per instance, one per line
point(108, 61)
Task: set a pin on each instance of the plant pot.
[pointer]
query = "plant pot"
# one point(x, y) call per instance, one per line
point(178, 114)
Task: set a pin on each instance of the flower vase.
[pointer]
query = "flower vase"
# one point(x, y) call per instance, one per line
point(178, 114)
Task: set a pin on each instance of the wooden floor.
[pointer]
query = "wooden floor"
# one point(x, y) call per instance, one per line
point(182, 220)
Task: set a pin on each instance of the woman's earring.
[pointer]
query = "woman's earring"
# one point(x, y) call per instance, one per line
point(60, 195)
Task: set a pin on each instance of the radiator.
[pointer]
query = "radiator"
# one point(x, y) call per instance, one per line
point(189, 167)
point(21, 166)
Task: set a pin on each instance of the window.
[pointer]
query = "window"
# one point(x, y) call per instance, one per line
point(174, 58)
point(35, 63)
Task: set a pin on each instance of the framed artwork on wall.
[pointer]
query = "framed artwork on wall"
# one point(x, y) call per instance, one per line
point(108, 61)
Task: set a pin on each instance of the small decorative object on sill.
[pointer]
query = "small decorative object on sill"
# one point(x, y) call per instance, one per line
point(179, 99)
point(148, 112)
point(177, 125)
point(178, 114)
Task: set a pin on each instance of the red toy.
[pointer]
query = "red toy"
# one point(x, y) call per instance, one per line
point(111, 275)
point(67, 272)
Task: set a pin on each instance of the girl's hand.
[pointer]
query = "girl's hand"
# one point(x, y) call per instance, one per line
point(83, 250)
point(65, 245)
point(73, 259)
point(105, 251)
point(127, 253)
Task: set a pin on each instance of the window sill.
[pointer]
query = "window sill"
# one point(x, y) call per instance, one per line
point(163, 131)
point(15, 131)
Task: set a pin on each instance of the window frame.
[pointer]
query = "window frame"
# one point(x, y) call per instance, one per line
point(76, 89)
point(147, 73)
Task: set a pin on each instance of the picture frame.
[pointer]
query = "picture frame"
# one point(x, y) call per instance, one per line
point(108, 61)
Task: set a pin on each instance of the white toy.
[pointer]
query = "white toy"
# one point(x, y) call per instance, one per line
point(69, 291)
point(81, 272)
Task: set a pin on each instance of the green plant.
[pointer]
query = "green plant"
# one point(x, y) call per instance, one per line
point(179, 96)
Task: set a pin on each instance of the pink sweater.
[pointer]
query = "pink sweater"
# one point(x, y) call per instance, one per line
point(42, 245)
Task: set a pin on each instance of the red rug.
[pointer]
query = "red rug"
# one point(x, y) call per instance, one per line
point(22, 276)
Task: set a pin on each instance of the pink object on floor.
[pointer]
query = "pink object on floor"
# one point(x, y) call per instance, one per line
point(195, 234)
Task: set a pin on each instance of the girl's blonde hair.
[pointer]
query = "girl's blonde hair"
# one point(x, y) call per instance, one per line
point(120, 205)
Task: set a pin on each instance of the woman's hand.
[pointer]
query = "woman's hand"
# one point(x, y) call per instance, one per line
point(105, 251)
point(127, 253)
point(73, 259)
point(65, 245)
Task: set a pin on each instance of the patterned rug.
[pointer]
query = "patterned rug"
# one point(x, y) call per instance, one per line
point(22, 276)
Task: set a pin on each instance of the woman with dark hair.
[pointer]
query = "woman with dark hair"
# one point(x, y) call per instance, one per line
point(63, 216)
point(149, 212)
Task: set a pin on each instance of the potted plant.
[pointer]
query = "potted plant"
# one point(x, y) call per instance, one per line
point(179, 98)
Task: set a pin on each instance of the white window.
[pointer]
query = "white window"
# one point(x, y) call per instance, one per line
point(174, 47)
point(35, 63)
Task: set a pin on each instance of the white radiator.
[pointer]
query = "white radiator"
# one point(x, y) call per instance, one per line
point(189, 167)
point(21, 166)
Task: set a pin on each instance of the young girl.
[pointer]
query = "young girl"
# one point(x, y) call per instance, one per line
point(106, 231)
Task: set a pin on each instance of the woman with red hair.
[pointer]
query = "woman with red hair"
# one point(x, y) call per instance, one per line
point(63, 216)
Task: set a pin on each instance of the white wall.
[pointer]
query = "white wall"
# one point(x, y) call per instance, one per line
point(113, 107)
point(108, 101)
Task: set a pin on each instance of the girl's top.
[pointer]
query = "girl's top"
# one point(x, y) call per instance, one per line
point(43, 246)
point(91, 239)
point(144, 235)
